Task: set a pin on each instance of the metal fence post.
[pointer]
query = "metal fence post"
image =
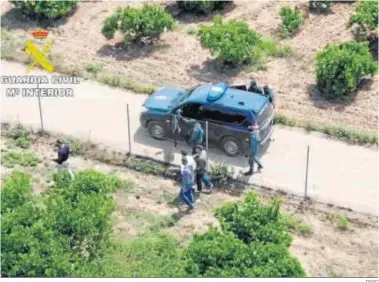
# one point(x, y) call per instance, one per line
point(306, 174)
point(206, 143)
point(130, 141)
point(40, 110)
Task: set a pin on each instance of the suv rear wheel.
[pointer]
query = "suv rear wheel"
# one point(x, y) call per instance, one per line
point(231, 145)
point(157, 130)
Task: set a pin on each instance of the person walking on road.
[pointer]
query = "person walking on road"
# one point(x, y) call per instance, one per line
point(254, 149)
point(176, 116)
point(197, 135)
point(186, 191)
point(201, 169)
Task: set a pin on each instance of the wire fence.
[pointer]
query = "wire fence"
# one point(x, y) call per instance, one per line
point(300, 164)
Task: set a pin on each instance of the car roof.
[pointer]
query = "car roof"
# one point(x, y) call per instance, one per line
point(232, 98)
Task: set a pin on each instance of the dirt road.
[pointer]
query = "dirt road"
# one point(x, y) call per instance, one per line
point(340, 174)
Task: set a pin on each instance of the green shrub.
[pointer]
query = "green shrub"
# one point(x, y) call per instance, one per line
point(291, 20)
point(48, 9)
point(148, 23)
point(320, 6)
point(252, 221)
point(220, 175)
point(217, 254)
point(94, 67)
point(151, 255)
point(16, 190)
point(365, 20)
point(204, 7)
point(294, 225)
point(232, 42)
point(22, 142)
point(339, 68)
point(10, 159)
point(18, 131)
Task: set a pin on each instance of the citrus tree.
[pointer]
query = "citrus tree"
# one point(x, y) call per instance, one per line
point(146, 23)
point(340, 67)
point(47, 9)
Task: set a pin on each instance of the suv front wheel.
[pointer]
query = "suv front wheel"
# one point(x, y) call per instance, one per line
point(157, 130)
point(231, 146)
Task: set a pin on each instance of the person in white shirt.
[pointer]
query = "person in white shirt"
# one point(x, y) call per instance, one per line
point(191, 163)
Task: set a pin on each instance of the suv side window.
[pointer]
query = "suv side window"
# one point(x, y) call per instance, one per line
point(223, 116)
point(191, 110)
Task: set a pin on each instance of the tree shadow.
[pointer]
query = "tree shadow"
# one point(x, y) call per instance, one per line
point(338, 104)
point(15, 19)
point(184, 17)
point(213, 71)
point(128, 53)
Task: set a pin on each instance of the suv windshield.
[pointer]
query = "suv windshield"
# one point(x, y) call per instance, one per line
point(182, 96)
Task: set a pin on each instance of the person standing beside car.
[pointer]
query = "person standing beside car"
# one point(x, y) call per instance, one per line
point(197, 135)
point(255, 143)
point(176, 116)
point(201, 169)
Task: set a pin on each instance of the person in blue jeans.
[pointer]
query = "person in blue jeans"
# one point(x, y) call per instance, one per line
point(255, 143)
point(201, 169)
point(186, 191)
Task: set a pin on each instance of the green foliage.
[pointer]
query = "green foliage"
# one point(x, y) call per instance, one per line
point(147, 166)
point(152, 255)
point(294, 225)
point(217, 254)
point(94, 67)
point(19, 131)
point(320, 6)
point(192, 31)
point(16, 191)
point(55, 234)
point(339, 68)
point(366, 15)
point(365, 21)
point(148, 22)
point(291, 20)
point(204, 7)
point(232, 42)
point(21, 136)
point(271, 48)
point(340, 132)
point(252, 221)
point(10, 159)
point(48, 9)
point(22, 142)
point(220, 175)
point(29, 246)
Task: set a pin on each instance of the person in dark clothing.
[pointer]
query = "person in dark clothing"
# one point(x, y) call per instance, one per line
point(268, 92)
point(63, 152)
point(201, 169)
point(254, 150)
point(253, 87)
point(197, 135)
point(176, 116)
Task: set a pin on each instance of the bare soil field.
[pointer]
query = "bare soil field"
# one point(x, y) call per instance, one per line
point(325, 249)
point(178, 58)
